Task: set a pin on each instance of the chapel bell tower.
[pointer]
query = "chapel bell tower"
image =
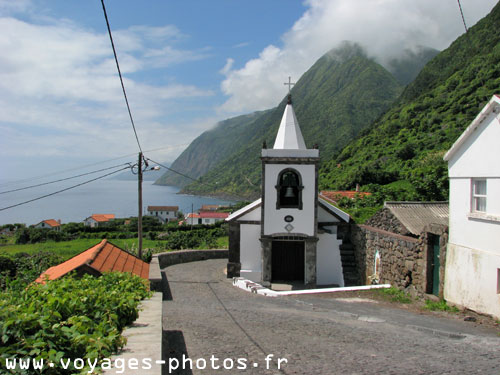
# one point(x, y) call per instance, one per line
point(289, 205)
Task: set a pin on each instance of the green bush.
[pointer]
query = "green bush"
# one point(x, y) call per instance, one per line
point(68, 318)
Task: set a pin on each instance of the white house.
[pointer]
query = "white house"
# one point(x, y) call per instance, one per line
point(163, 213)
point(473, 256)
point(98, 220)
point(209, 217)
point(49, 224)
point(289, 234)
point(193, 218)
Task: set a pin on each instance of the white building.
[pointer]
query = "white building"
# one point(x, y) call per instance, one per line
point(49, 224)
point(473, 255)
point(205, 217)
point(98, 220)
point(208, 217)
point(290, 234)
point(163, 213)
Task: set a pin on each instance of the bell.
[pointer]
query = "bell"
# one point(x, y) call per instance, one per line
point(289, 192)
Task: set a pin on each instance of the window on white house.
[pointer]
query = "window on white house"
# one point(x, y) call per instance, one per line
point(478, 195)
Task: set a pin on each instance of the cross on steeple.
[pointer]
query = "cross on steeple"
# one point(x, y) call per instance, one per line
point(289, 84)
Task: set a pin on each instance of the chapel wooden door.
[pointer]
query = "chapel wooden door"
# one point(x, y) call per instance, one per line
point(287, 261)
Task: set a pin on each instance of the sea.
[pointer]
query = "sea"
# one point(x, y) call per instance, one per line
point(110, 196)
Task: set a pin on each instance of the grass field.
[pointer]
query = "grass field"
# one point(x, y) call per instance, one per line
point(67, 249)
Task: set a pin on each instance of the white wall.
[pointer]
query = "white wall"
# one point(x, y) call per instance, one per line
point(473, 232)
point(473, 254)
point(250, 252)
point(472, 279)
point(479, 155)
point(303, 219)
point(328, 262)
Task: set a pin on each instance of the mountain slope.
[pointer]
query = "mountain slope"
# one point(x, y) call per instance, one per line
point(208, 149)
point(401, 154)
point(341, 94)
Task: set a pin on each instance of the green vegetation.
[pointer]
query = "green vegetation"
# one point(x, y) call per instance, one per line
point(68, 318)
point(395, 295)
point(440, 306)
point(408, 142)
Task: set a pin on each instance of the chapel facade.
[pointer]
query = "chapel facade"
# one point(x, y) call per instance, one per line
point(290, 233)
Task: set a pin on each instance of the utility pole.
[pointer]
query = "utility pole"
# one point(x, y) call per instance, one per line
point(139, 218)
point(192, 218)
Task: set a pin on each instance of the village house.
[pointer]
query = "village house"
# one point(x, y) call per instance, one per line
point(404, 244)
point(290, 233)
point(163, 213)
point(193, 218)
point(473, 256)
point(98, 220)
point(49, 224)
point(210, 217)
point(103, 257)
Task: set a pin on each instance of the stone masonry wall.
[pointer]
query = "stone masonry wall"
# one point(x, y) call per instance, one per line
point(385, 220)
point(401, 258)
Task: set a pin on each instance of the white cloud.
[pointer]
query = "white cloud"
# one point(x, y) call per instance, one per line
point(60, 94)
point(385, 28)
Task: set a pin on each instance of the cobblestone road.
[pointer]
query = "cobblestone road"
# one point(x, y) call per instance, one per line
point(209, 320)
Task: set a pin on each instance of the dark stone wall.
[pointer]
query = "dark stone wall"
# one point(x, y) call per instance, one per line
point(385, 220)
point(405, 262)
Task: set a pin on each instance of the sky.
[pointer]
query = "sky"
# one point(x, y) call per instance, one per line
point(186, 65)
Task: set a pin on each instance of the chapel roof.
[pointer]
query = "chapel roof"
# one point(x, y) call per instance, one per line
point(103, 257)
point(289, 136)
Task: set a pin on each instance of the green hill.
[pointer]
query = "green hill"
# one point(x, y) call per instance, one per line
point(208, 149)
point(341, 94)
point(401, 154)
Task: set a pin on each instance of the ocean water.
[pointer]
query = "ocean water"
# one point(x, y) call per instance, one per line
point(105, 196)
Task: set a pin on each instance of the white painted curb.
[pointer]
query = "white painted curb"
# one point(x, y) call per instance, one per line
point(251, 286)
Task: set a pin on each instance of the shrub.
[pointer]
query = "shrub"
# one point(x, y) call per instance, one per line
point(69, 318)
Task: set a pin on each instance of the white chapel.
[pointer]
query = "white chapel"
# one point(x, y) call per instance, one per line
point(290, 233)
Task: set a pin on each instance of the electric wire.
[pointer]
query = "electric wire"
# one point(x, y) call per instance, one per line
point(196, 180)
point(120, 75)
point(62, 179)
point(66, 189)
point(462, 13)
point(84, 166)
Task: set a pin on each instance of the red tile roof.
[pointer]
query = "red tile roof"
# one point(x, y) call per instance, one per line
point(193, 215)
point(102, 217)
point(102, 257)
point(163, 208)
point(52, 223)
point(334, 196)
point(213, 215)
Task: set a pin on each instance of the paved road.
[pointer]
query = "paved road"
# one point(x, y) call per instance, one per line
point(205, 316)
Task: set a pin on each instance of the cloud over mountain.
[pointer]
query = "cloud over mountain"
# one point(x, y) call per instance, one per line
point(384, 28)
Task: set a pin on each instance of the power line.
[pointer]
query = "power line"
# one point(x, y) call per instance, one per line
point(60, 191)
point(120, 74)
point(194, 179)
point(62, 179)
point(83, 166)
point(462, 13)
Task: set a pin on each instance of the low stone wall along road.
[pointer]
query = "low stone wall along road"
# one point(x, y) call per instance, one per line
point(226, 330)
